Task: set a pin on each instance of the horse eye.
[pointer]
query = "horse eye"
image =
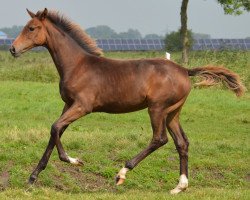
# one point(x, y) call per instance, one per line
point(31, 28)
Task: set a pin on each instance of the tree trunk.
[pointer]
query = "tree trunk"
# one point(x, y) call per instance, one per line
point(184, 31)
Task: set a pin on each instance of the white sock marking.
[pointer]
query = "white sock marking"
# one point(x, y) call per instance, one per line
point(73, 160)
point(182, 185)
point(122, 172)
point(183, 181)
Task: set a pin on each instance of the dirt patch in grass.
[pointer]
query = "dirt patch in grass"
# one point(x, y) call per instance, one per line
point(5, 176)
point(248, 177)
point(207, 174)
point(86, 181)
point(4, 180)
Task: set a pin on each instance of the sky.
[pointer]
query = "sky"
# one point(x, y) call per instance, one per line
point(148, 16)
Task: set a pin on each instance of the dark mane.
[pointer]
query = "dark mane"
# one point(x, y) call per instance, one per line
point(75, 32)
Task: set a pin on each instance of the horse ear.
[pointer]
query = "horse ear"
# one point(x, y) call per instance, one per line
point(44, 14)
point(32, 15)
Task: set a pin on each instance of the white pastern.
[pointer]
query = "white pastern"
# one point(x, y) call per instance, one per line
point(121, 176)
point(122, 173)
point(182, 185)
point(75, 161)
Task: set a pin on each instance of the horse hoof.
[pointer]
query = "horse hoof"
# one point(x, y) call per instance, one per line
point(79, 162)
point(177, 190)
point(119, 180)
point(32, 179)
point(76, 161)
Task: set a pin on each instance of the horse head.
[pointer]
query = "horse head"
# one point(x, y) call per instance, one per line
point(32, 35)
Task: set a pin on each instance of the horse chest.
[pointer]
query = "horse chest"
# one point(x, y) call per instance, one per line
point(66, 92)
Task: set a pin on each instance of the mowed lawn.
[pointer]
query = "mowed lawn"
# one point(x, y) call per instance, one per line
point(216, 122)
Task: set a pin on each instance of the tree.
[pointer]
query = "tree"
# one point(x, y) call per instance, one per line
point(184, 31)
point(198, 36)
point(105, 32)
point(235, 7)
point(153, 36)
point(102, 32)
point(174, 43)
point(130, 34)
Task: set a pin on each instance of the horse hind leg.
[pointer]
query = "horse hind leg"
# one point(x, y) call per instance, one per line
point(158, 122)
point(181, 143)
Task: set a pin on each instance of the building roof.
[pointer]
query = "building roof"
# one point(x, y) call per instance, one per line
point(2, 33)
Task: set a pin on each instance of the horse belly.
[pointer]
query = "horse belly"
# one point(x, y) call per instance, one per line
point(120, 109)
point(122, 105)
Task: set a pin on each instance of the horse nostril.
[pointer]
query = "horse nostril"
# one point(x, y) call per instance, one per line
point(12, 50)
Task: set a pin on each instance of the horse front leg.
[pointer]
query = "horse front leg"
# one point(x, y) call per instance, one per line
point(68, 116)
point(46, 155)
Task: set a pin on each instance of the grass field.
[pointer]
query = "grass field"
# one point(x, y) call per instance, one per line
point(216, 122)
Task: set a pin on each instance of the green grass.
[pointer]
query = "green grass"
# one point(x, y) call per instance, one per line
point(216, 122)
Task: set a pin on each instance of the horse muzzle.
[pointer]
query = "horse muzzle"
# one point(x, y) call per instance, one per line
point(13, 51)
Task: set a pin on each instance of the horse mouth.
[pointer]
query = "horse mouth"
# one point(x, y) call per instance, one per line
point(16, 54)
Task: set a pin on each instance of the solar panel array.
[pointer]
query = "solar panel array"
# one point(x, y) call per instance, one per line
point(221, 44)
point(130, 44)
point(158, 44)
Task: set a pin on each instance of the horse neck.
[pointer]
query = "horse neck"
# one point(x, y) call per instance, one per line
point(65, 52)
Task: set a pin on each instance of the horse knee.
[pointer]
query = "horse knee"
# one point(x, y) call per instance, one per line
point(156, 143)
point(164, 140)
point(54, 130)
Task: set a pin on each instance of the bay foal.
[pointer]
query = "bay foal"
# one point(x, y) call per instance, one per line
point(92, 83)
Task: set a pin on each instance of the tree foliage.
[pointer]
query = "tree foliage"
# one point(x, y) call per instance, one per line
point(173, 41)
point(130, 34)
point(102, 31)
point(198, 36)
point(105, 32)
point(153, 36)
point(235, 7)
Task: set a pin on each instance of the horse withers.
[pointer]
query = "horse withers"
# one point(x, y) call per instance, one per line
point(90, 83)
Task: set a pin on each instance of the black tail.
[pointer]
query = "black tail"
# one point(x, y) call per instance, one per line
point(211, 75)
